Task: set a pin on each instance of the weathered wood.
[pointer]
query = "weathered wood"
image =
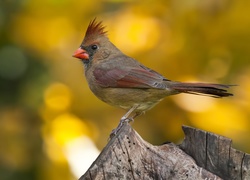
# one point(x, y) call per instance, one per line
point(220, 158)
point(246, 167)
point(223, 154)
point(235, 163)
point(128, 156)
point(194, 142)
point(202, 155)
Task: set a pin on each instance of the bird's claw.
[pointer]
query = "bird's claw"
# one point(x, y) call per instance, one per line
point(122, 121)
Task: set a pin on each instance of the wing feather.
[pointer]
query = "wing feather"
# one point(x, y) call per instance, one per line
point(136, 77)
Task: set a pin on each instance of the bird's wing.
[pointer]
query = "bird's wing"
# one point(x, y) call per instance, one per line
point(130, 77)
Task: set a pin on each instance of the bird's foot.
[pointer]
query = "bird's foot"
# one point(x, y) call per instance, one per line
point(127, 119)
point(122, 121)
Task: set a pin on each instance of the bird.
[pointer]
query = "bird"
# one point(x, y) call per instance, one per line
point(122, 81)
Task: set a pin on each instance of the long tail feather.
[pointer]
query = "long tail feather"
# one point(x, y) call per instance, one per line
point(213, 90)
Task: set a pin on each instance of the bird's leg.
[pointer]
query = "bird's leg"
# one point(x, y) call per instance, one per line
point(129, 119)
point(136, 115)
point(124, 119)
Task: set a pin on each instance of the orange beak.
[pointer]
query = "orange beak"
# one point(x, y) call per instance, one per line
point(81, 54)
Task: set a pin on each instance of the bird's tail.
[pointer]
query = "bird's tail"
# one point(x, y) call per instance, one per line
point(213, 90)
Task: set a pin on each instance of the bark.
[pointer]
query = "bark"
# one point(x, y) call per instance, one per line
point(202, 155)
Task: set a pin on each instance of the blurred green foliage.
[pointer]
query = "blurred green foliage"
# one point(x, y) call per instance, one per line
point(45, 103)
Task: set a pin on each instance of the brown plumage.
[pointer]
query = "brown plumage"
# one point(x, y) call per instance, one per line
point(95, 29)
point(122, 81)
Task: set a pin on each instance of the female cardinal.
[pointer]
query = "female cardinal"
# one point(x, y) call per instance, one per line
point(121, 81)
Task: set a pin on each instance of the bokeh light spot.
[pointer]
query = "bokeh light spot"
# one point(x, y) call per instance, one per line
point(221, 118)
point(57, 96)
point(80, 153)
point(47, 35)
point(132, 33)
point(67, 127)
point(59, 132)
point(193, 103)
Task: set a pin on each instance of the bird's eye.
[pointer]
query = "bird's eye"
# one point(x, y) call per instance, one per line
point(94, 47)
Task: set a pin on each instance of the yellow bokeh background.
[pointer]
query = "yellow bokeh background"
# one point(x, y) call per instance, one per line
point(53, 127)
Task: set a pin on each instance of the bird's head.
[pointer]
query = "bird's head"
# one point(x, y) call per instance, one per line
point(95, 45)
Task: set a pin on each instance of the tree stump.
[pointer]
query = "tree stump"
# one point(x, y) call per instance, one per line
point(202, 155)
